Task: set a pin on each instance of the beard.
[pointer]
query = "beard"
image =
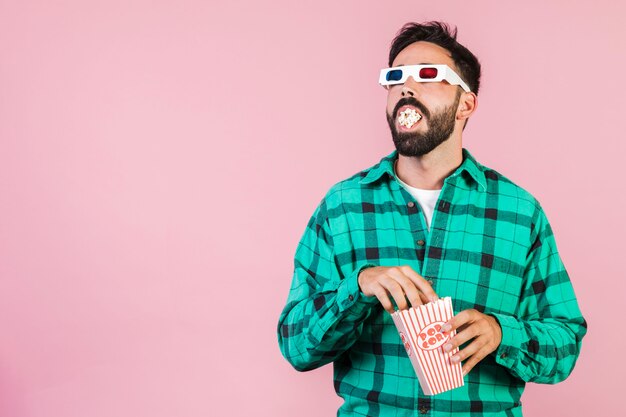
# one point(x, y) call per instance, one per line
point(440, 127)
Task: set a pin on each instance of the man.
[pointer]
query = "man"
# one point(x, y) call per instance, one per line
point(430, 221)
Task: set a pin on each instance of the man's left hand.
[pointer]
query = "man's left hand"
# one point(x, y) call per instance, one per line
point(472, 324)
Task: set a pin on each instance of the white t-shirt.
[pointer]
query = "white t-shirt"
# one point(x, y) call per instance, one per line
point(426, 199)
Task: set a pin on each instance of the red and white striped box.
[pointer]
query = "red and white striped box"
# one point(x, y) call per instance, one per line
point(420, 331)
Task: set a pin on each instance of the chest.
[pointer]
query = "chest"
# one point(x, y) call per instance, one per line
point(474, 252)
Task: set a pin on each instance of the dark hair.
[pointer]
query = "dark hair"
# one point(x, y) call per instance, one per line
point(440, 34)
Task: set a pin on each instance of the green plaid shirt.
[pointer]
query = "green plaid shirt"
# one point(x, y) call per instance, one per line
point(490, 248)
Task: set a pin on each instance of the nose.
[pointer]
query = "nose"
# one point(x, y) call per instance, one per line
point(409, 87)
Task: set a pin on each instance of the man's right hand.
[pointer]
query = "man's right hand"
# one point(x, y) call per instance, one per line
point(401, 282)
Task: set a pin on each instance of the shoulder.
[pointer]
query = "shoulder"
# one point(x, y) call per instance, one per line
point(357, 188)
point(515, 206)
point(510, 193)
point(345, 191)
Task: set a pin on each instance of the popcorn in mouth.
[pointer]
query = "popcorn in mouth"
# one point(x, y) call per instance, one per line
point(408, 117)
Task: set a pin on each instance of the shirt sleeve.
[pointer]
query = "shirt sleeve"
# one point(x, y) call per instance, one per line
point(325, 308)
point(541, 343)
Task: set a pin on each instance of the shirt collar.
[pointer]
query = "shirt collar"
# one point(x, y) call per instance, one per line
point(385, 166)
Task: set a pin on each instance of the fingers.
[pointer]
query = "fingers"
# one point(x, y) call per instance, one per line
point(461, 319)
point(415, 287)
point(386, 287)
point(464, 336)
point(481, 329)
point(463, 327)
point(397, 291)
point(383, 298)
point(407, 286)
point(397, 284)
point(474, 359)
point(471, 354)
point(420, 283)
point(423, 298)
point(466, 352)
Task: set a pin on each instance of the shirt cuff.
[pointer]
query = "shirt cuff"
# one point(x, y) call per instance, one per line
point(349, 295)
point(512, 334)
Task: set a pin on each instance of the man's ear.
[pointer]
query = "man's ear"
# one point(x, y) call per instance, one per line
point(467, 105)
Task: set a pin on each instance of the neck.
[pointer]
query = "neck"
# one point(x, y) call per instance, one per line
point(429, 171)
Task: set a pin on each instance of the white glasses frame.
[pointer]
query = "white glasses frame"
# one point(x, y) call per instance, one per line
point(444, 72)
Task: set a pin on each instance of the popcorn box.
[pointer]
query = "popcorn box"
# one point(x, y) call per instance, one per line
point(420, 331)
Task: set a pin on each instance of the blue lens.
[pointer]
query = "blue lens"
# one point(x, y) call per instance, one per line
point(394, 75)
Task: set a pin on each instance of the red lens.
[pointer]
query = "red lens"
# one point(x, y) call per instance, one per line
point(428, 73)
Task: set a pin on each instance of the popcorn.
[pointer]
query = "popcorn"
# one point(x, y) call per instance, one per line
point(409, 117)
point(420, 332)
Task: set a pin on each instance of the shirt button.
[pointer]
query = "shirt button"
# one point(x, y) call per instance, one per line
point(411, 204)
point(351, 297)
point(423, 410)
point(421, 242)
point(503, 356)
point(430, 281)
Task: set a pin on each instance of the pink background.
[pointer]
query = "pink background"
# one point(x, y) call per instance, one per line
point(159, 161)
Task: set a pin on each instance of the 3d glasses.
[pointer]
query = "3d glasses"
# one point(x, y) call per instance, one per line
point(421, 74)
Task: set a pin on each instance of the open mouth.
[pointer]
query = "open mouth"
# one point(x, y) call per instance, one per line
point(408, 117)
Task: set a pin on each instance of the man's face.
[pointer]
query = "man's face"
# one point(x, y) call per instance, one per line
point(437, 102)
